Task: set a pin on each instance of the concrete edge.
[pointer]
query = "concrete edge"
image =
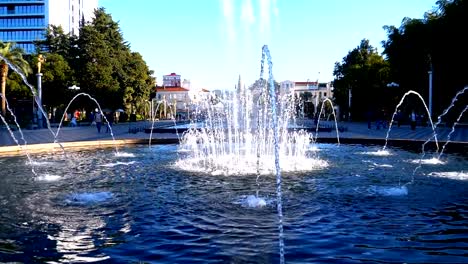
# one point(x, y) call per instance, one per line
point(411, 144)
point(76, 145)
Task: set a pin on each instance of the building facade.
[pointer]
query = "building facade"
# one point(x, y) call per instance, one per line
point(178, 102)
point(171, 80)
point(316, 89)
point(25, 21)
point(309, 94)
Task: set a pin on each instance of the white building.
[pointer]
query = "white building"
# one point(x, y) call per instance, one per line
point(178, 102)
point(70, 13)
point(171, 80)
point(316, 89)
point(309, 93)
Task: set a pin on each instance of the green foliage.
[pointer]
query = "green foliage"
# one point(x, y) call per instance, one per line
point(100, 62)
point(365, 73)
point(434, 43)
point(57, 77)
point(15, 56)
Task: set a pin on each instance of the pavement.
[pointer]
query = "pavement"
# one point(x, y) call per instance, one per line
point(134, 133)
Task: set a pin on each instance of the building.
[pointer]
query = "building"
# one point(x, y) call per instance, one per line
point(171, 102)
point(316, 89)
point(310, 94)
point(25, 21)
point(171, 80)
point(178, 102)
point(77, 11)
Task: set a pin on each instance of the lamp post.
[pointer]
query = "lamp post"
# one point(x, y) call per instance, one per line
point(349, 103)
point(40, 60)
point(430, 91)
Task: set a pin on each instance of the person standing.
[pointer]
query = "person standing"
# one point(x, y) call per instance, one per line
point(98, 120)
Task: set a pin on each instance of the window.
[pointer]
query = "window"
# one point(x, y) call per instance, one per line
point(10, 9)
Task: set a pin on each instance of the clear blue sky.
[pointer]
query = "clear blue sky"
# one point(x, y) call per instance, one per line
point(212, 42)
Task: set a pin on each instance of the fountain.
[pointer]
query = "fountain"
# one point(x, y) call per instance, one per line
point(242, 181)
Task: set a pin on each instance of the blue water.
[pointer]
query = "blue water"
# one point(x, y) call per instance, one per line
point(96, 207)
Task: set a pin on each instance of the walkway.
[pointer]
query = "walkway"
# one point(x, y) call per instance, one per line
point(135, 131)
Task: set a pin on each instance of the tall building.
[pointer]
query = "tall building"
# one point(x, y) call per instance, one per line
point(26, 21)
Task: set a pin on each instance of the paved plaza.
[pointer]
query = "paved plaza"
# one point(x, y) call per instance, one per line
point(134, 133)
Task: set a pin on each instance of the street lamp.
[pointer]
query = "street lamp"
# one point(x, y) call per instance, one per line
point(349, 103)
point(430, 91)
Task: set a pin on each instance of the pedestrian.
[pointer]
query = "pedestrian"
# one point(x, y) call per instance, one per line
point(413, 120)
point(98, 120)
point(73, 122)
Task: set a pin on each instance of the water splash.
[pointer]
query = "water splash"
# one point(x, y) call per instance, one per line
point(88, 198)
point(125, 155)
point(48, 177)
point(118, 163)
point(254, 201)
point(455, 175)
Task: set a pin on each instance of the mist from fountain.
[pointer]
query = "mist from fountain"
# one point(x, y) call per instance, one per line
point(236, 137)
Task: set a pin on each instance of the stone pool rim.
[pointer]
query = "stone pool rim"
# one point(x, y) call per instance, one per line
point(454, 147)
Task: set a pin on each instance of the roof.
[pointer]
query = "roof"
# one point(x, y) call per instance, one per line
point(306, 83)
point(172, 74)
point(171, 89)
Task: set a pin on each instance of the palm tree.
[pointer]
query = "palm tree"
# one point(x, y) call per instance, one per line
point(15, 56)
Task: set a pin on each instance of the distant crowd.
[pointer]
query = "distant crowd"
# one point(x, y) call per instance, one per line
point(382, 119)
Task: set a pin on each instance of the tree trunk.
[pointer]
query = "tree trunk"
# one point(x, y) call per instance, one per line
point(4, 69)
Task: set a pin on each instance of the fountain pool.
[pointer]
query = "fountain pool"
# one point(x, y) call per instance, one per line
point(140, 206)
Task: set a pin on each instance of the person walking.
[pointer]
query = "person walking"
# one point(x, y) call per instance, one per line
point(98, 120)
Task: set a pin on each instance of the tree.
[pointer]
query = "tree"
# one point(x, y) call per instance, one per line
point(434, 43)
point(57, 77)
point(100, 62)
point(364, 73)
point(100, 67)
point(14, 56)
point(139, 83)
